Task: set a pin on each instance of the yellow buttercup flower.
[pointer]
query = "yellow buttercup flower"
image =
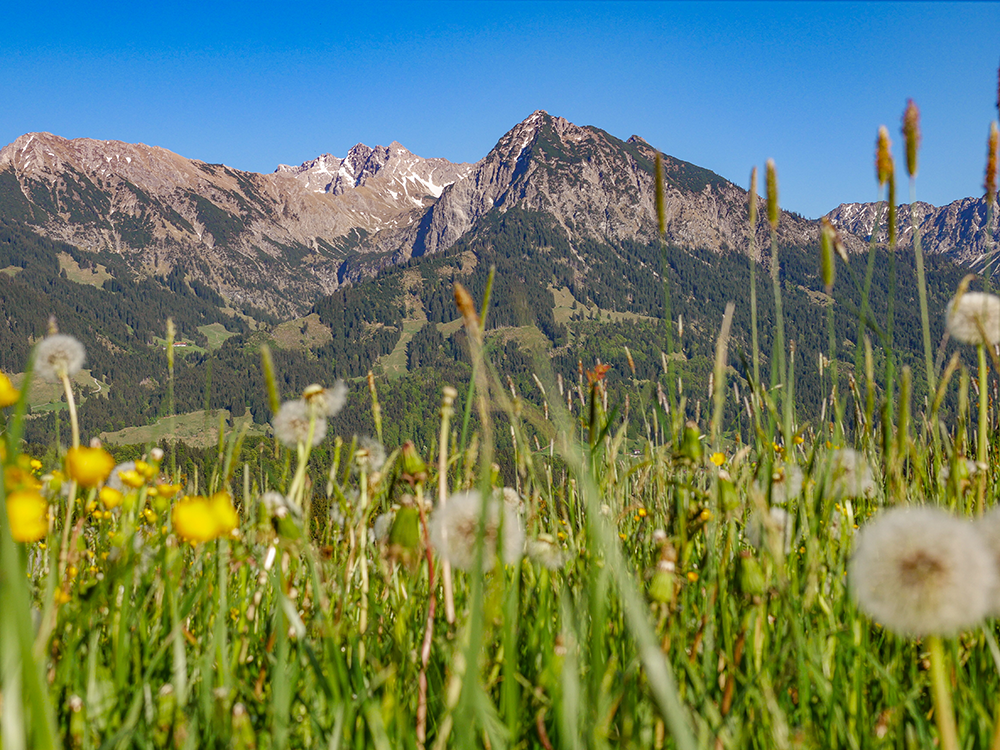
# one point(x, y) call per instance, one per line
point(27, 513)
point(200, 519)
point(131, 478)
point(194, 520)
point(19, 477)
point(167, 490)
point(89, 466)
point(8, 393)
point(145, 469)
point(110, 497)
point(224, 512)
point(718, 458)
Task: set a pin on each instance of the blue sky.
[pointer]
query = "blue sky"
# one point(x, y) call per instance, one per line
point(724, 85)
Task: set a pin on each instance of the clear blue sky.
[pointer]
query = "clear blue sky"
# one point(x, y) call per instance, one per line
point(723, 85)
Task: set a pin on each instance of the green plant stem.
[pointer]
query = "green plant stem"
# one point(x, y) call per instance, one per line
point(944, 713)
point(983, 436)
point(71, 405)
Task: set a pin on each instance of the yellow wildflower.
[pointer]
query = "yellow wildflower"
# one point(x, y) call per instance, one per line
point(110, 497)
point(718, 458)
point(88, 466)
point(145, 469)
point(194, 520)
point(201, 519)
point(35, 464)
point(18, 476)
point(225, 514)
point(131, 478)
point(8, 393)
point(27, 513)
point(167, 490)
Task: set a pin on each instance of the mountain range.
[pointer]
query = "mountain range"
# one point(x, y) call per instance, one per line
point(347, 265)
point(278, 242)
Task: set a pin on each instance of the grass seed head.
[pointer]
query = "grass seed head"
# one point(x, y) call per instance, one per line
point(921, 571)
point(752, 198)
point(991, 163)
point(772, 194)
point(974, 318)
point(911, 134)
point(883, 156)
point(828, 264)
point(58, 355)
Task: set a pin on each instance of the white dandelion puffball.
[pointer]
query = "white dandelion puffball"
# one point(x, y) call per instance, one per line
point(779, 520)
point(59, 355)
point(291, 424)
point(850, 475)
point(454, 528)
point(545, 552)
point(786, 483)
point(973, 316)
point(989, 528)
point(327, 401)
point(370, 454)
point(921, 571)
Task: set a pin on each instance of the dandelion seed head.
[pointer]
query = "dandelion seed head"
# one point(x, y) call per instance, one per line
point(370, 454)
point(327, 401)
point(786, 483)
point(291, 424)
point(58, 355)
point(921, 571)
point(974, 315)
point(454, 528)
point(850, 475)
point(381, 527)
point(544, 551)
point(989, 528)
point(777, 519)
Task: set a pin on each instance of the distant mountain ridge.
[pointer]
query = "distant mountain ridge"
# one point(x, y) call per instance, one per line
point(957, 230)
point(278, 242)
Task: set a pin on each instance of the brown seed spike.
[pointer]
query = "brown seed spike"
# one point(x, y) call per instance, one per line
point(753, 198)
point(463, 300)
point(883, 156)
point(772, 194)
point(991, 163)
point(911, 134)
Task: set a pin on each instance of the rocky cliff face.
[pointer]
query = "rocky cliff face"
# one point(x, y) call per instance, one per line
point(271, 241)
point(596, 186)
